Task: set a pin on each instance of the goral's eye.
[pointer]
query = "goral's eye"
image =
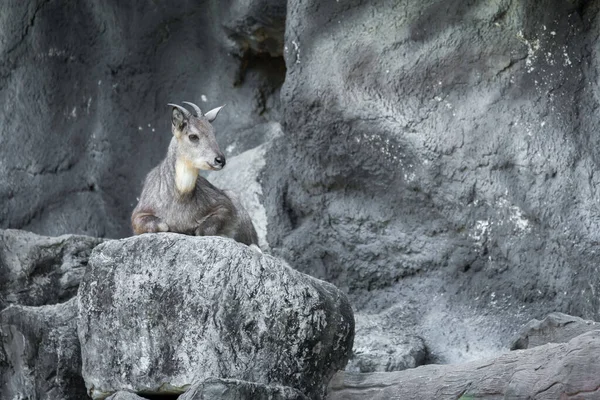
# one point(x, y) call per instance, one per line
point(194, 138)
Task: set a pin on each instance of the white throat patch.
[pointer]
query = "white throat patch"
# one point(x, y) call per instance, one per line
point(185, 176)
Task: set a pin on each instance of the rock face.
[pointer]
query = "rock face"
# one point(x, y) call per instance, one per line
point(232, 389)
point(40, 357)
point(37, 270)
point(440, 158)
point(549, 372)
point(160, 312)
point(39, 349)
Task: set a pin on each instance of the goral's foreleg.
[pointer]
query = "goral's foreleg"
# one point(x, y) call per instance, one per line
point(216, 223)
point(146, 222)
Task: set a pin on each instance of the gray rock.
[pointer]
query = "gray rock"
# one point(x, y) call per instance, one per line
point(555, 328)
point(549, 372)
point(158, 312)
point(257, 26)
point(377, 349)
point(380, 353)
point(243, 176)
point(233, 389)
point(124, 396)
point(37, 270)
point(40, 357)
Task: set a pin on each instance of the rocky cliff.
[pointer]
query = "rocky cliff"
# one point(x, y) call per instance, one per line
point(435, 160)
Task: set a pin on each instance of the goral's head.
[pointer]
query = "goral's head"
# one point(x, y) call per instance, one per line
point(195, 135)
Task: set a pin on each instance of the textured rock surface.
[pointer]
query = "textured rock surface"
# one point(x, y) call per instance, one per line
point(441, 158)
point(553, 371)
point(37, 270)
point(232, 389)
point(160, 312)
point(438, 159)
point(555, 328)
point(40, 357)
point(244, 177)
point(376, 350)
point(85, 88)
point(124, 396)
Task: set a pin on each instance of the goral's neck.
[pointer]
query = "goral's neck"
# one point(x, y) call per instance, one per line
point(185, 176)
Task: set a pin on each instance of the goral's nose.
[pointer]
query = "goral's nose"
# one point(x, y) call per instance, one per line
point(220, 161)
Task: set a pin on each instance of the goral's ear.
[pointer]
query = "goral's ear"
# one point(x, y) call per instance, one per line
point(179, 118)
point(212, 114)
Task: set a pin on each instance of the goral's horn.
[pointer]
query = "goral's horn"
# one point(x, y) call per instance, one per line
point(184, 110)
point(195, 107)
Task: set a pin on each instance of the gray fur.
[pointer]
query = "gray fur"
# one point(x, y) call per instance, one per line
point(203, 210)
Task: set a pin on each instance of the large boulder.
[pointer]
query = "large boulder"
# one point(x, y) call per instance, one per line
point(158, 312)
point(37, 270)
point(549, 372)
point(40, 357)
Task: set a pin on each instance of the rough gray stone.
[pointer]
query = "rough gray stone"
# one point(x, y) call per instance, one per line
point(549, 372)
point(555, 328)
point(85, 92)
point(37, 270)
point(42, 359)
point(442, 155)
point(233, 389)
point(243, 176)
point(257, 26)
point(437, 156)
point(378, 351)
point(382, 346)
point(158, 312)
point(124, 396)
